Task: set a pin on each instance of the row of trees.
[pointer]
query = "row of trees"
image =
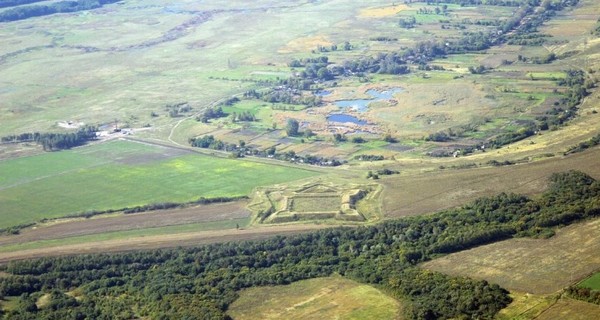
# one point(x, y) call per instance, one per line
point(577, 85)
point(584, 294)
point(28, 11)
point(178, 109)
point(13, 3)
point(592, 142)
point(56, 141)
point(211, 113)
point(241, 150)
point(201, 282)
point(288, 92)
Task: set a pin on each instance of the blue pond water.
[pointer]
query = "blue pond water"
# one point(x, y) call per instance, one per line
point(357, 105)
point(362, 105)
point(344, 118)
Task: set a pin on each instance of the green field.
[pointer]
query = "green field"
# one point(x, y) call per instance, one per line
point(593, 282)
point(322, 298)
point(123, 174)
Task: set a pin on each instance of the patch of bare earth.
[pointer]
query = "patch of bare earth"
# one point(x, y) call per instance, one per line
point(160, 218)
point(539, 266)
point(160, 241)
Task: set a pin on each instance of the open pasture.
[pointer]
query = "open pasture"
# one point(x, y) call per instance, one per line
point(105, 176)
point(539, 266)
point(322, 298)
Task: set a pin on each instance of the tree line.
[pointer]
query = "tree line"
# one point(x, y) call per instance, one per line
point(584, 294)
point(592, 142)
point(241, 150)
point(201, 282)
point(13, 3)
point(55, 141)
point(287, 91)
point(29, 11)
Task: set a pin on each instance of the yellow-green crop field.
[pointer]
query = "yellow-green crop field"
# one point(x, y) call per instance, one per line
point(122, 174)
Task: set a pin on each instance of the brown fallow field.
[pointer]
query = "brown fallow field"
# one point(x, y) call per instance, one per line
point(539, 266)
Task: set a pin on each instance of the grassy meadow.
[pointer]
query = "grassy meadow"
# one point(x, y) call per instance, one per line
point(122, 174)
point(322, 298)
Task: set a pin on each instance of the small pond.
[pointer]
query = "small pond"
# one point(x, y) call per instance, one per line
point(361, 105)
point(344, 118)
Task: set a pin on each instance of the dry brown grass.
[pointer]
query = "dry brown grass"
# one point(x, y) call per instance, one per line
point(551, 307)
point(572, 310)
point(421, 193)
point(530, 265)
point(525, 306)
point(304, 44)
point(381, 12)
point(64, 228)
point(159, 241)
point(571, 23)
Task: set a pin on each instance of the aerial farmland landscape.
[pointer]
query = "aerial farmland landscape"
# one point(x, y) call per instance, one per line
point(331, 159)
